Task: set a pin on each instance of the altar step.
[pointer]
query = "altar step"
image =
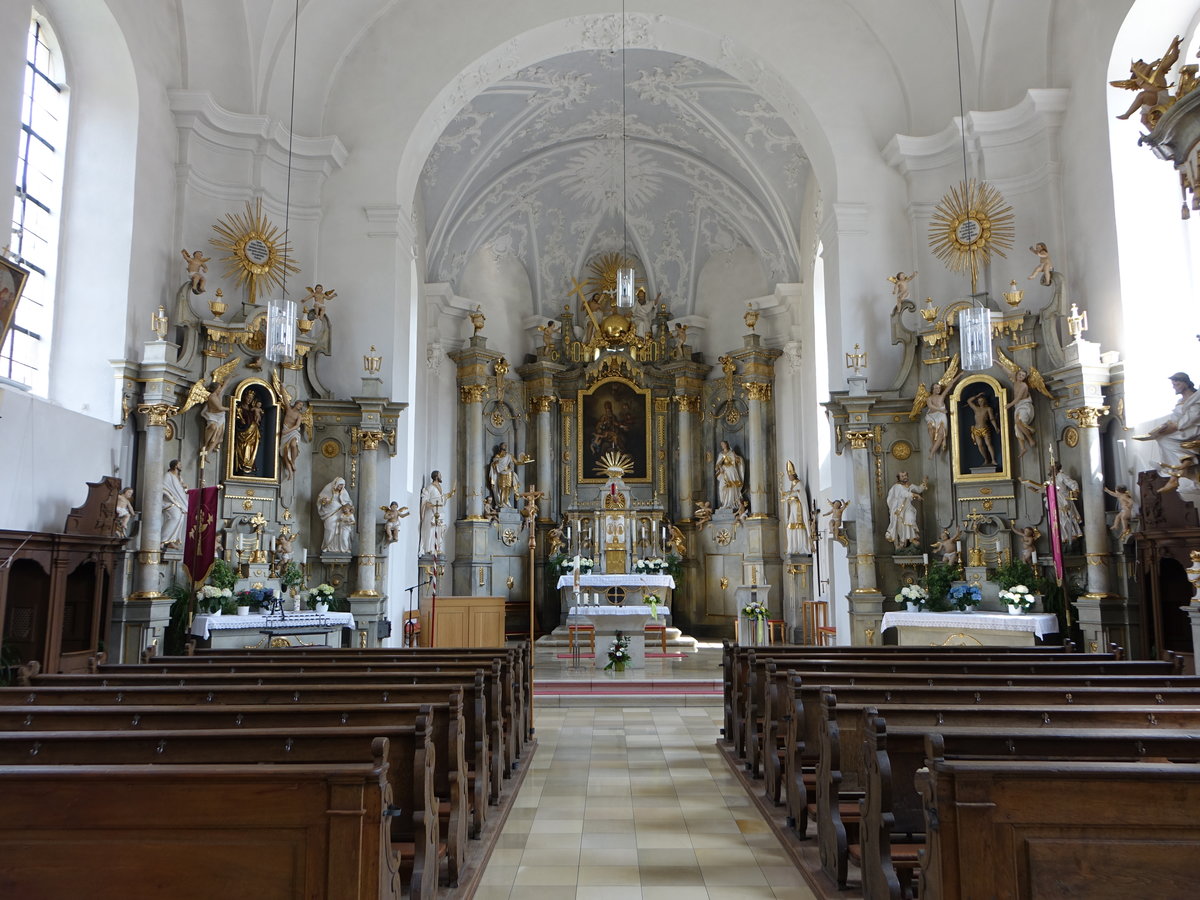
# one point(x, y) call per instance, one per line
point(677, 641)
point(614, 690)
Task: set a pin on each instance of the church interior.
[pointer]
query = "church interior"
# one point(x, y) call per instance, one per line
point(675, 450)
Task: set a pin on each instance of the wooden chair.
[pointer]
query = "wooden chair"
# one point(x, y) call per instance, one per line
point(815, 617)
point(777, 626)
point(661, 629)
point(589, 630)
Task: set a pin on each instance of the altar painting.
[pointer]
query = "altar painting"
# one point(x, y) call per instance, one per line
point(614, 417)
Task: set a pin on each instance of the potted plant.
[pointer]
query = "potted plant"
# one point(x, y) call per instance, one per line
point(652, 601)
point(755, 613)
point(291, 577)
point(938, 582)
point(229, 605)
point(1019, 572)
point(1019, 599)
point(320, 597)
point(222, 575)
point(245, 600)
point(618, 653)
point(210, 597)
point(913, 595)
point(965, 597)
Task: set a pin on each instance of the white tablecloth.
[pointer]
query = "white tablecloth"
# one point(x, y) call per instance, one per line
point(595, 581)
point(1041, 624)
point(593, 611)
point(203, 625)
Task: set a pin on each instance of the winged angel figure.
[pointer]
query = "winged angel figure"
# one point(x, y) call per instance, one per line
point(1022, 401)
point(1150, 82)
point(214, 412)
point(297, 415)
point(936, 419)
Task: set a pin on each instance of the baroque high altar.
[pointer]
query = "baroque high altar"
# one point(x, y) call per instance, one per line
point(629, 451)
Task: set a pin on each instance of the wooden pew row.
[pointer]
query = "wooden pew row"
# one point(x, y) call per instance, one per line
point(446, 719)
point(504, 668)
point(499, 741)
point(732, 652)
point(798, 706)
point(187, 831)
point(750, 709)
point(410, 776)
point(744, 684)
point(519, 651)
point(1129, 829)
point(843, 775)
point(800, 713)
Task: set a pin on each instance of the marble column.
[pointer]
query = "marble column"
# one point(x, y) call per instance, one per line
point(688, 408)
point(1091, 484)
point(544, 423)
point(758, 394)
point(149, 572)
point(866, 602)
point(367, 502)
point(471, 396)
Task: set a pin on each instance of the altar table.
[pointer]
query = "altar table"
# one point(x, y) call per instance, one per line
point(629, 620)
point(636, 587)
point(242, 632)
point(930, 629)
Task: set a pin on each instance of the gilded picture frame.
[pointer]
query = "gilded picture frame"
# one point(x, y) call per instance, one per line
point(971, 402)
point(12, 285)
point(253, 420)
point(613, 415)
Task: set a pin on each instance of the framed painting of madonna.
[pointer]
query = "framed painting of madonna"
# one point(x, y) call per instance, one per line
point(614, 418)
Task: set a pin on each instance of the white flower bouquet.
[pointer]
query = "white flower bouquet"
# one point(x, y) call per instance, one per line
point(912, 594)
point(1018, 598)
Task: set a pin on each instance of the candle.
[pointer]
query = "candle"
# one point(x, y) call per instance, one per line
point(303, 555)
point(568, 532)
point(1035, 557)
point(925, 558)
point(958, 546)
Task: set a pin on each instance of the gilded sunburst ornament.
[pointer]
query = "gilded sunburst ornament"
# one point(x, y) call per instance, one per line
point(257, 251)
point(614, 464)
point(602, 272)
point(970, 223)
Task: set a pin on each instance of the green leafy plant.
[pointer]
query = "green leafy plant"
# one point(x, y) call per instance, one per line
point(938, 582)
point(222, 575)
point(674, 566)
point(176, 634)
point(322, 593)
point(292, 576)
point(618, 653)
point(1016, 572)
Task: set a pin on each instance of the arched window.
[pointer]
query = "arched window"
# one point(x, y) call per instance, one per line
point(34, 240)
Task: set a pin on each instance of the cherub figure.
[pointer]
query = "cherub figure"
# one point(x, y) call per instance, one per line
point(947, 546)
point(477, 319)
point(1122, 525)
point(900, 286)
point(490, 511)
point(556, 539)
point(1028, 536)
point(197, 268)
point(1150, 82)
point(392, 514)
point(318, 296)
point(1022, 401)
point(679, 336)
point(283, 548)
point(1044, 266)
point(937, 421)
point(837, 508)
point(676, 542)
point(703, 514)
point(549, 336)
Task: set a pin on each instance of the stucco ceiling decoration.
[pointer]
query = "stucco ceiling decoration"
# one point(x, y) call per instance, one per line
point(532, 167)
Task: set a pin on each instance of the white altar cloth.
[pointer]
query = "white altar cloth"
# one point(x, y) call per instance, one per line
point(202, 626)
point(602, 581)
point(593, 611)
point(629, 620)
point(1040, 624)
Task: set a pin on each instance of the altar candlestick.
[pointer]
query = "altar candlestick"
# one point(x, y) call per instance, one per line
point(1034, 556)
point(925, 558)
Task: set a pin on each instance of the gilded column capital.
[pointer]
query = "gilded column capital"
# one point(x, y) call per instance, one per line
point(688, 404)
point(472, 393)
point(157, 413)
point(758, 390)
point(370, 439)
point(541, 404)
point(1087, 416)
point(859, 439)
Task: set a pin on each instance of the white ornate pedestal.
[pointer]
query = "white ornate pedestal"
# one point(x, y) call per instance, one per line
point(629, 620)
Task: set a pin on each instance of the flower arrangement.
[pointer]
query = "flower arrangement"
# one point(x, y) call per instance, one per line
point(755, 609)
point(618, 653)
point(212, 599)
point(652, 601)
point(1019, 599)
point(912, 594)
point(322, 593)
point(291, 577)
point(583, 564)
point(654, 566)
point(964, 596)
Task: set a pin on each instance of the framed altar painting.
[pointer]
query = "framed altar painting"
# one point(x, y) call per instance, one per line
point(12, 282)
point(252, 434)
point(614, 418)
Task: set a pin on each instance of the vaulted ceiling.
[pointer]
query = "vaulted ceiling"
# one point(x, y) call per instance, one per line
point(550, 165)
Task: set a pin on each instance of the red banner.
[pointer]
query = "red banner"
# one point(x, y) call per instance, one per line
point(1055, 537)
point(200, 545)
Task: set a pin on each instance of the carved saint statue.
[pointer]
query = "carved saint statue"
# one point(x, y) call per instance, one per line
point(937, 422)
point(985, 425)
point(249, 432)
point(174, 507)
point(502, 477)
point(902, 500)
point(434, 520)
point(336, 510)
point(730, 473)
point(1022, 401)
point(795, 505)
point(1181, 428)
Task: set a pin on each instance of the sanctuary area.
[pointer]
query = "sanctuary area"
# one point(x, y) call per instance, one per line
point(486, 359)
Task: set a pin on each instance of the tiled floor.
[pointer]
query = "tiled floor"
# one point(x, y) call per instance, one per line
point(635, 803)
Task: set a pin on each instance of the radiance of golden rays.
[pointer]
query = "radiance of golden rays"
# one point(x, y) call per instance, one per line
point(615, 463)
point(969, 224)
point(258, 253)
point(603, 271)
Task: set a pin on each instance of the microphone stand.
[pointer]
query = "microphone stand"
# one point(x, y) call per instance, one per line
point(408, 618)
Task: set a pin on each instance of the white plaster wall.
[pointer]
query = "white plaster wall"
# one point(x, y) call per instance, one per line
point(501, 287)
point(725, 284)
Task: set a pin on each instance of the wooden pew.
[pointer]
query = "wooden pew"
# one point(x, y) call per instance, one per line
point(410, 775)
point(446, 718)
point(1001, 731)
point(1129, 829)
point(191, 832)
point(499, 740)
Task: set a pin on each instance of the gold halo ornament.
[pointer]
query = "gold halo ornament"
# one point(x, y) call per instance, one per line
point(257, 251)
point(969, 224)
point(615, 464)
